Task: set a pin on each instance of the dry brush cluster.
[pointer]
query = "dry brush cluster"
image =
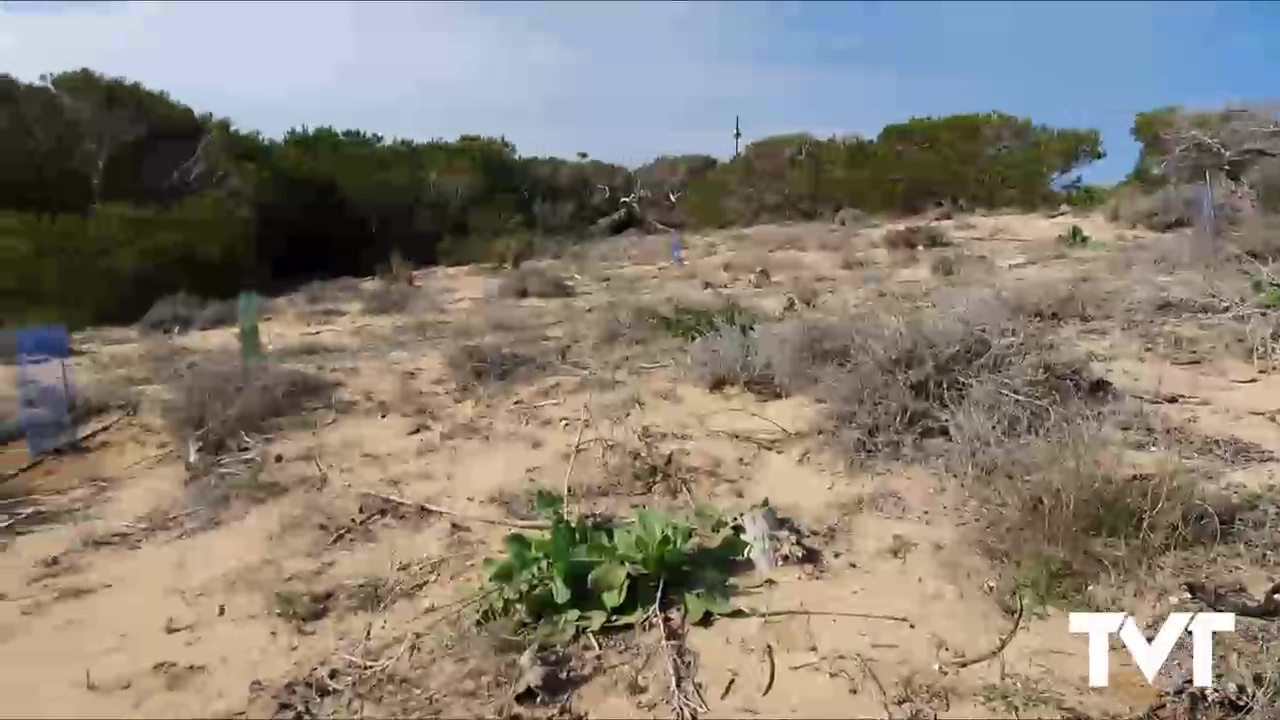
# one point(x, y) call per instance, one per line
point(977, 388)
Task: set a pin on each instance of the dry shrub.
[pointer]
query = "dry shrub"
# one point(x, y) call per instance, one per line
point(727, 356)
point(943, 265)
point(1077, 300)
point(1169, 208)
point(309, 347)
point(1257, 236)
point(533, 282)
point(218, 400)
point(389, 298)
point(807, 294)
point(182, 313)
point(853, 218)
point(1062, 510)
point(335, 291)
point(925, 376)
point(628, 326)
point(488, 362)
point(915, 237)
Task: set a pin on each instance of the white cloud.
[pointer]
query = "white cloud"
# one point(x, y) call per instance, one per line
point(623, 81)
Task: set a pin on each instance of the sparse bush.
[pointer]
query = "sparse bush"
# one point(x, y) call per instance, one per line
point(853, 219)
point(915, 237)
point(1168, 208)
point(171, 314)
point(690, 323)
point(336, 291)
point(1082, 196)
point(217, 313)
point(389, 299)
point(1079, 301)
point(807, 295)
point(397, 270)
point(487, 362)
point(1063, 511)
point(943, 265)
point(216, 400)
point(1075, 237)
point(182, 313)
point(726, 356)
point(771, 359)
point(794, 353)
point(533, 282)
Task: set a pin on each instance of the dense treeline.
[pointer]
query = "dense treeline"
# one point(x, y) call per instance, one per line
point(113, 194)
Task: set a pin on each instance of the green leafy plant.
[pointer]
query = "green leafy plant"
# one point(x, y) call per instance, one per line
point(690, 323)
point(1075, 237)
point(583, 575)
point(1268, 292)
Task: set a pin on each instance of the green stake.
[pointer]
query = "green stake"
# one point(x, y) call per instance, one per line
point(250, 342)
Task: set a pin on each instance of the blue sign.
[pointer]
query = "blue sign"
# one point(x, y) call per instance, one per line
point(1207, 218)
point(44, 390)
point(675, 248)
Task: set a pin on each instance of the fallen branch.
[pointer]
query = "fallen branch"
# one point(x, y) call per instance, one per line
point(573, 455)
point(875, 680)
point(23, 515)
point(819, 613)
point(963, 662)
point(437, 509)
point(1237, 600)
point(79, 439)
point(758, 416)
point(682, 690)
point(773, 670)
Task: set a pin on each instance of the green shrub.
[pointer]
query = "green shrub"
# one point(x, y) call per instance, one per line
point(582, 575)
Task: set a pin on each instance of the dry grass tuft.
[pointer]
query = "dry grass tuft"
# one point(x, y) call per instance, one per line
point(182, 313)
point(487, 362)
point(973, 386)
point(331, 292)
point(915, 237)
point(389, 298)
point(218, 401)
point(1168, 208)
point(533, 282)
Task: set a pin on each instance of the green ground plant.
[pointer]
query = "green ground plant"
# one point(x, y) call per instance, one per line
point(1075, 237)
point(583, 575)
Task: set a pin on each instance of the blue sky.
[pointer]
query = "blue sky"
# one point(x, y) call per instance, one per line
point(627, 81)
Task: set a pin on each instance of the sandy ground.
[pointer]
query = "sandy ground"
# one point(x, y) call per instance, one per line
point(111, 606)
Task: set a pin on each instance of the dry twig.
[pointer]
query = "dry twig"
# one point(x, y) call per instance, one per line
point(573, 454)
point(439, 510)
point(963, 662)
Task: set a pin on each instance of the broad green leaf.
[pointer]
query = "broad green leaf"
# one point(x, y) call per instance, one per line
point(501, 572)
point(548, 504)
point(556, 631)
point(694, 608)
point(607, 577)
point(614, 598)
point(593, 620)
point(717, 603)
point(626, 543)
point(649, 526)
point(630, 618)
point(559, 590)
point(518, 545)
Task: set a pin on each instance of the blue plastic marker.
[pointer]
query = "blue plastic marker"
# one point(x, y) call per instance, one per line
point(44, 390)
point(675, 248)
